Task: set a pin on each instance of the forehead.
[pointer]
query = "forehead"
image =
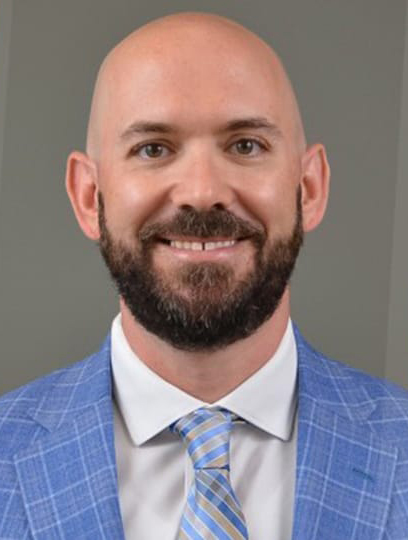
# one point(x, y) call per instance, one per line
point(192, 79)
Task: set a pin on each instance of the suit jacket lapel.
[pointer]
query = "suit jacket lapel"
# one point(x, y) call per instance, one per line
point(345, 473)
point(68, 476)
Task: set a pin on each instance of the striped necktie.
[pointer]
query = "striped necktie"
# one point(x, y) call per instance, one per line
point(212, 510)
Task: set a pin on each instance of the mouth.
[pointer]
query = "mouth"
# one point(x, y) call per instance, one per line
point(197, 244)
point(231, 250)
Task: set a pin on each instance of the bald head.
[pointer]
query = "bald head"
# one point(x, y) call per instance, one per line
point(193, 115)
point(182, 52)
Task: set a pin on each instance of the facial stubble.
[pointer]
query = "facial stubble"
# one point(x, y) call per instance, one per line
point(202, 306)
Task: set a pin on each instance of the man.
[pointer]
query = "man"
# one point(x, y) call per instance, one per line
point(205, 414)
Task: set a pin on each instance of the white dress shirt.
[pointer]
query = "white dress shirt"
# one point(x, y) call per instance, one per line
point(155, 471)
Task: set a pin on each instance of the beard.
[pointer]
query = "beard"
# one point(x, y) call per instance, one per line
point(201, 306)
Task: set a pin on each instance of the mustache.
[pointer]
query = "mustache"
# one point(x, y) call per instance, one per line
point(202, 224)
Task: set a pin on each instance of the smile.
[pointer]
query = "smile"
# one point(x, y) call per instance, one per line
point(202, 246)
point(200, 249)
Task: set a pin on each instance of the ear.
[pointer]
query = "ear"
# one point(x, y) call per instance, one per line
point(315, 186)
point(82, 187)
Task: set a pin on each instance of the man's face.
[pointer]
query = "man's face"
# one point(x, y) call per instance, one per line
point(200, 213)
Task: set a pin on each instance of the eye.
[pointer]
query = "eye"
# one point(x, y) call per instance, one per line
point(248, 147)
point(151, 150)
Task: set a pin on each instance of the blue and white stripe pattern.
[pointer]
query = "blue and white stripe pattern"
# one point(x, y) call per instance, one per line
point(212, 510)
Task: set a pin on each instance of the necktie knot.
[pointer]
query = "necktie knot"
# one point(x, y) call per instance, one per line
point(206, 433)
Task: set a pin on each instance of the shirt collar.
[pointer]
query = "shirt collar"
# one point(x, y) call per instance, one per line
point(148, 404)
point(267, 399)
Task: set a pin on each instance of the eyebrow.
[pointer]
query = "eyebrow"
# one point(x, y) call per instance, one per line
point(257, 122)
point(147, 127)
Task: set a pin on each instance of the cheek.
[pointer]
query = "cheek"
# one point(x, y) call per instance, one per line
point(269, 192)
point(273, 204)
point(129, 203)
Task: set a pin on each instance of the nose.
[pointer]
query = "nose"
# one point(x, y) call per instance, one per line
point(202, 183)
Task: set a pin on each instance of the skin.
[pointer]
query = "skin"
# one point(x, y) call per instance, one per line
point(197, 73)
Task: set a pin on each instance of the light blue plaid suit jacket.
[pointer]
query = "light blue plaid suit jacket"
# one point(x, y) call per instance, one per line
point(57, 459)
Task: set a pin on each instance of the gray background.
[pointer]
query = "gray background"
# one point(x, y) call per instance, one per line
point(349, 64)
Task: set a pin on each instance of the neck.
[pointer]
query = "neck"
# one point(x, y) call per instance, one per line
point(208, 376)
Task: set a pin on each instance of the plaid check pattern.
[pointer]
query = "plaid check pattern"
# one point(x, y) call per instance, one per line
point(57, 456)
point(212, 509)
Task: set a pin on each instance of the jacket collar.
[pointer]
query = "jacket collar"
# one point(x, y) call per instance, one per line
point(332, 385)
point(327, 385)
point(75, 389)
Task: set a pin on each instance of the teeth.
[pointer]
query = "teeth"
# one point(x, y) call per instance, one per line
point(215, 245)
point(199, 246)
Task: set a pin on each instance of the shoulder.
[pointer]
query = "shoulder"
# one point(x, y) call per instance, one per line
point(15, 404)
point(29, 410)
point(378, 403)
